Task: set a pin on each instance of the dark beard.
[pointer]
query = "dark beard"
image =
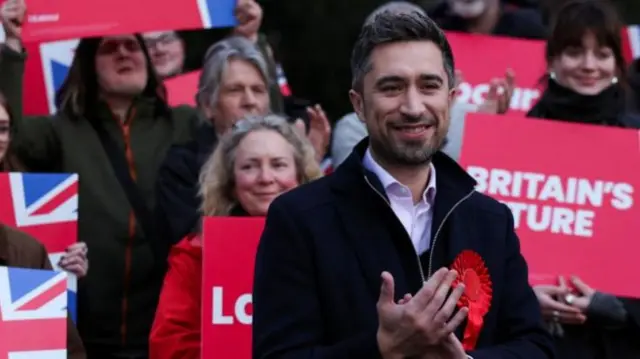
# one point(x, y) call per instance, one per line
point(405, 155)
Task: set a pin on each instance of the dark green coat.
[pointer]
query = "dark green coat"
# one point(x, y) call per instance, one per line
point(117, 299)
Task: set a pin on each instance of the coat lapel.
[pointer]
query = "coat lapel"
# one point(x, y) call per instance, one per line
point(369, 237)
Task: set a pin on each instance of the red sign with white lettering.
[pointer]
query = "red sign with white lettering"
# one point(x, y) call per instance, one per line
point(482, 58)
point(573, 195)
point(229, 248)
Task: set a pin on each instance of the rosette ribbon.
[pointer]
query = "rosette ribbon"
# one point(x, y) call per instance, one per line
point(473, 272)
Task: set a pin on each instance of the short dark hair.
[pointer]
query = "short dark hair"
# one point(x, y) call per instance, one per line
point(389, 27)
point(576, 18)
point(396, 7)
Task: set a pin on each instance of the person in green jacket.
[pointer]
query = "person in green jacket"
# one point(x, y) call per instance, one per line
point(113, 128)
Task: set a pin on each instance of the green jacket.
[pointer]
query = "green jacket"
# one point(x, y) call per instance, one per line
point(117, 299)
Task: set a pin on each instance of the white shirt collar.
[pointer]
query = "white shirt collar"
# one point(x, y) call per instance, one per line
point(388, 181)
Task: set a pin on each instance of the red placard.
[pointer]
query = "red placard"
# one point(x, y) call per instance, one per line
point(182, 89)
point(481, 58)
point(572, 189)
point(230, 246)
point(49, 20)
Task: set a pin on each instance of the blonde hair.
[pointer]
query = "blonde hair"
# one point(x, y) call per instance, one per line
point(217, 175)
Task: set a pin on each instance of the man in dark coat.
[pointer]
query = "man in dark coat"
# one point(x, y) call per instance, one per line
point(395, 255)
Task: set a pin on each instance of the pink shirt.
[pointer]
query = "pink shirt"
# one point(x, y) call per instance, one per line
point(416, 218)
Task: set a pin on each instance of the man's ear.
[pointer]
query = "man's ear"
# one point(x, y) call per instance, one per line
point(208, 112)
point(453, 95)
point(358, 103)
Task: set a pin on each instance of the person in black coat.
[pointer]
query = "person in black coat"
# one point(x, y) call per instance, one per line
point(586, 80)
point(587, 84)
point(395, 255)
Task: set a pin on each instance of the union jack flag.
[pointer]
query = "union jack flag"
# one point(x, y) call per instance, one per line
point(46, 207)
point(33, 315)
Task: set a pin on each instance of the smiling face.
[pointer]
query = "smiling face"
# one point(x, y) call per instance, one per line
point(405, 102)
point(587, 69)
point(167, 52)
point(121, 66)
point(264, 168)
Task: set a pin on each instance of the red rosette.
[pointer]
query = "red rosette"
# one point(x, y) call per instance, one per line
point(473, 272)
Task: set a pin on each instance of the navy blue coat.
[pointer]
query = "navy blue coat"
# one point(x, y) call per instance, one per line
point(325, 244)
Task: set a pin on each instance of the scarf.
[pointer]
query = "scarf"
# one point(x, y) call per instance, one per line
point(561, 103)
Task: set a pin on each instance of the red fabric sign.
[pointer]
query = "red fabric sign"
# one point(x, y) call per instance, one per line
point(182, 89)
point(481, 58)
point(572, 189)
point(49, 20)
point(230, 246)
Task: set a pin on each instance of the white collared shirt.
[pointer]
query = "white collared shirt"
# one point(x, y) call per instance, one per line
point(416, 218)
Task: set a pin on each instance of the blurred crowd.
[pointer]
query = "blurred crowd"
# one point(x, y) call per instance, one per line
point(149, 172)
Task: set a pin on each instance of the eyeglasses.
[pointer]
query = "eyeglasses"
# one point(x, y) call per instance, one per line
point(164, 39)
point(110, 47)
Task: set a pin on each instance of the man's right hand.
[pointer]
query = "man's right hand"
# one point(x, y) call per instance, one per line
point(411, 328)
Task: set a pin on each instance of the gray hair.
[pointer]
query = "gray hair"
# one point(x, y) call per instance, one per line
point(217, 175)
point(215, 64)
point(396, 7)
point(391, 27)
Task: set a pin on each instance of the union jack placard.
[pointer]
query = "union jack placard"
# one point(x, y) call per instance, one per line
point(33, 314)
point(46, 207)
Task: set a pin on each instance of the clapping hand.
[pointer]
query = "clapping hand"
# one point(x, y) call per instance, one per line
point(319, 133)
point(450, 348)
point(423, 323)
point(499, 96)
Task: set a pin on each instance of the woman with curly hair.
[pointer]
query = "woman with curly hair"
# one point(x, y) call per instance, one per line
point(256, 161)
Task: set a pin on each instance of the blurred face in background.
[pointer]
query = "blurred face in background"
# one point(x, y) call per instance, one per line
point(264, 168)
point(4, 132)
point(469, 9)
point(167, 52)
point(121, 66)
point(242, 91)
point(587, 69)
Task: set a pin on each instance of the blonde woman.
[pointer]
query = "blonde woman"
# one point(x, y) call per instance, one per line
point(256, 161)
